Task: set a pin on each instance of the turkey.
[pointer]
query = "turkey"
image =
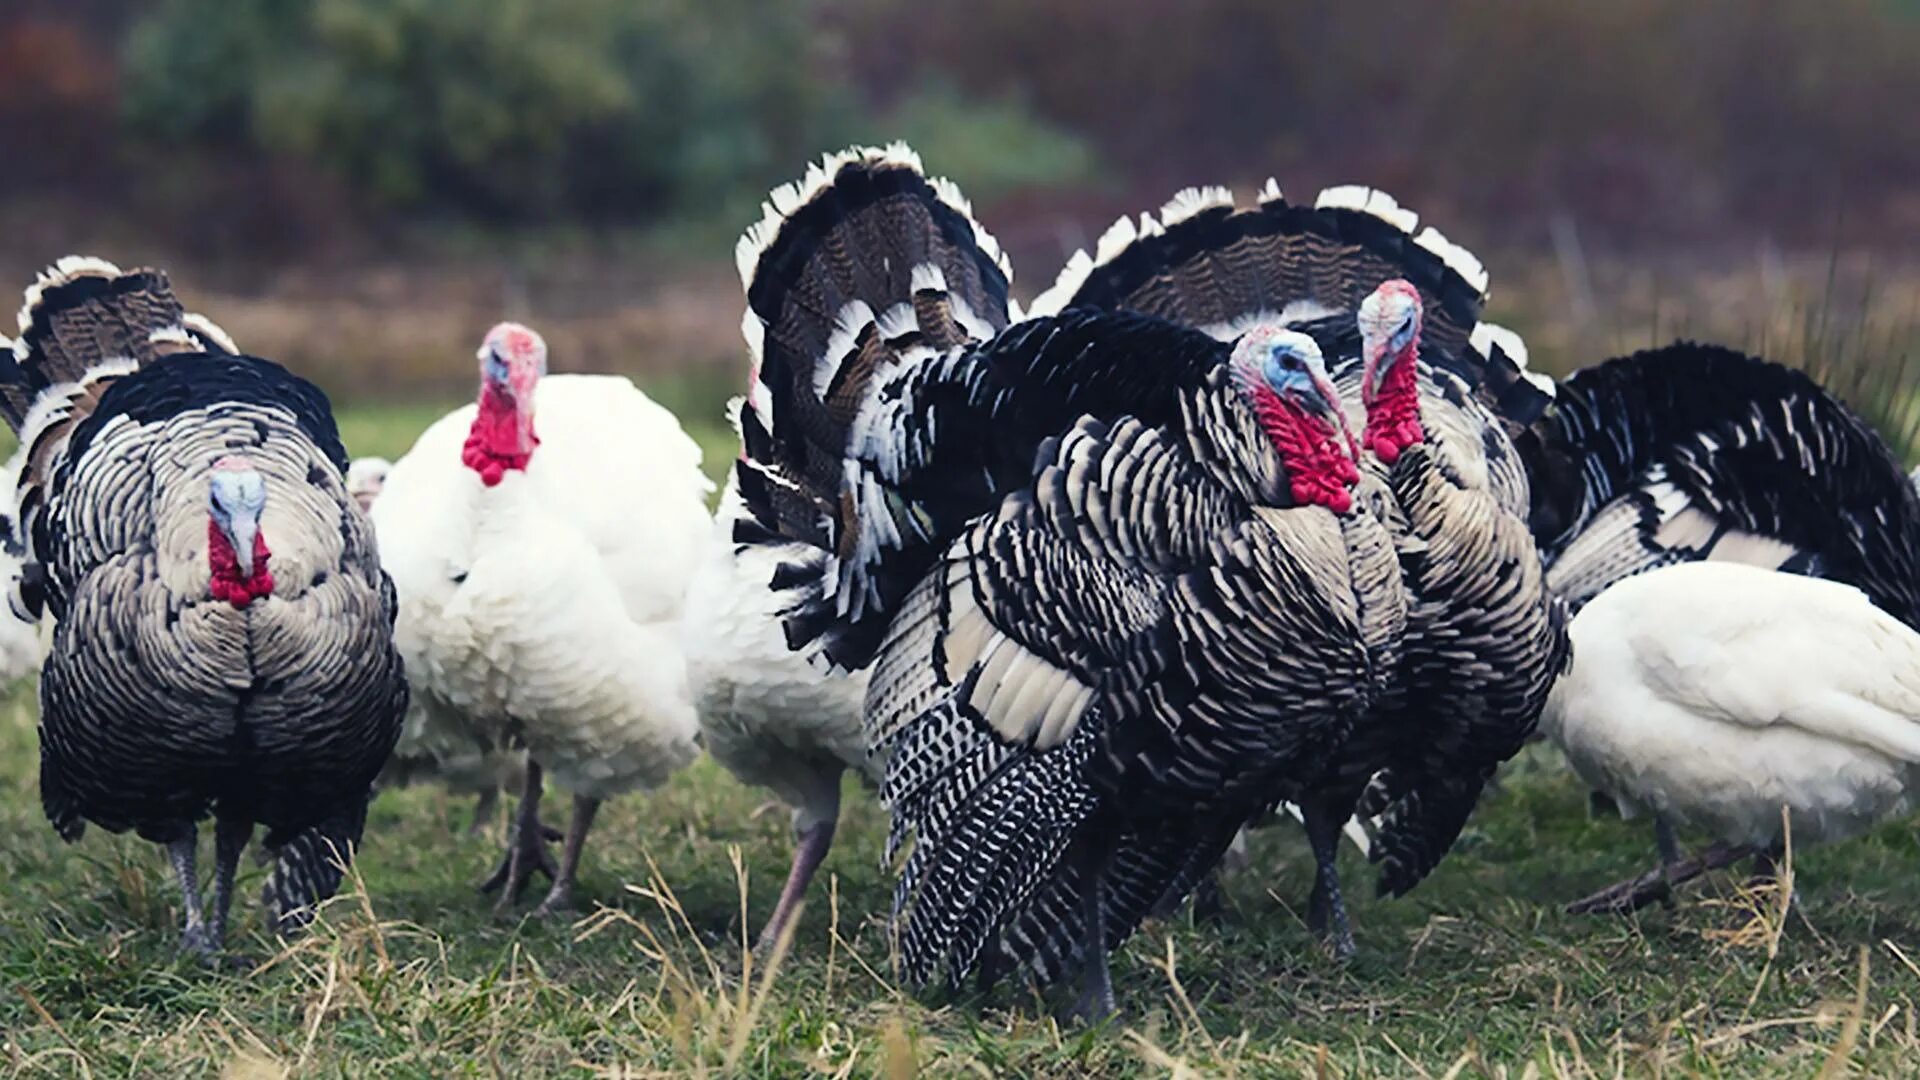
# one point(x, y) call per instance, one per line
point(21, 643)
point(221, 625)
point(541, 581)
point(365, 477)
point(768, 716)
point(1699, 452)
point(1109, 572)
point(1436, 393)
point(1712, 694)
point(456, 763)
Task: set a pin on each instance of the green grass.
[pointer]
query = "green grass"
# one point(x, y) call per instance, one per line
point(1477, 973)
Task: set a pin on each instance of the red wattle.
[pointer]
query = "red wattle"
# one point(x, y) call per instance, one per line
point(1393, 416)
point(500, 439)
point(226, 583)
point(1319, 472)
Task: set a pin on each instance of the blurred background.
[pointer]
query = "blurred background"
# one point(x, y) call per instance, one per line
point(360, 187)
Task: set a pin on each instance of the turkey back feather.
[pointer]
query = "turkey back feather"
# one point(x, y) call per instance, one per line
point(1700, 452)
point(1209, 263)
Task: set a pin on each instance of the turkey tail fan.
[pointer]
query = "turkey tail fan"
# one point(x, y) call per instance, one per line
point(864, 237)
point(85, 316)
point(1208, 263)
point(1696, 451)
point(877, 309)
point(308, 868)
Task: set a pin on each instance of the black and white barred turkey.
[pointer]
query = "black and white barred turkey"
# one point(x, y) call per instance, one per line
point(1109, 571)
point(223, 632)
point(1694, 451)
point(1436, 393)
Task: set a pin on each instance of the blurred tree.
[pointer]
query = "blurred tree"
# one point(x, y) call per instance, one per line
point(511, 109)
point(989, 147)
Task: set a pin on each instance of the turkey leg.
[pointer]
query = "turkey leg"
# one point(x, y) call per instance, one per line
point(230, 836)
point(483, 808)
point(183, 853)
point(526, 847)
point(560, 897)
point(1657, 884)
point(810, 848)
point(1095, 1003)
point(1326, 910)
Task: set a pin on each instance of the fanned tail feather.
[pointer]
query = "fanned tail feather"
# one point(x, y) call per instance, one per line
point(82, 313)
point(1695, 451)
point(1209, 263)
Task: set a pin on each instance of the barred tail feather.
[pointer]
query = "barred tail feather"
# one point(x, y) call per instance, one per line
point(1209, 263)
point(307, 869)
point(82, 313)
point(1153, 864)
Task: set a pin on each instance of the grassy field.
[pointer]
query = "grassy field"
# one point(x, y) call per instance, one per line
point(1477, 973)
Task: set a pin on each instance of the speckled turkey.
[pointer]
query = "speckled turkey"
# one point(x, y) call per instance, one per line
point(222, 640)
point(1694, 452)
point(1109, 570)
point(1436, 394)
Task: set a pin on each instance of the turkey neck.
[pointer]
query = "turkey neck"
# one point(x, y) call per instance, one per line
point(1373, 563)
point(1393, 416)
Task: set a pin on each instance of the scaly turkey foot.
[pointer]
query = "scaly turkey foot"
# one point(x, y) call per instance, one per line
point(1657, 884)
point(526, 855)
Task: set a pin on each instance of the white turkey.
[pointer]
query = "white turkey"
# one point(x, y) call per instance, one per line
point(1109, 571)
point(1709, 695)
point(1699, 452)
point(541, 581)
point(222, 629)
point(365, 477)
point(455, 763)
point(769, 716)
point(1435, 392)
point(21, 643)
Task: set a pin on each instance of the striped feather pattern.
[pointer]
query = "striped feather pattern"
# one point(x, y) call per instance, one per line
point(159, 703)
point(1220, 267)
point(1069, 551)
point(1696, 451)
point(1216, 646)
point(1483, 638)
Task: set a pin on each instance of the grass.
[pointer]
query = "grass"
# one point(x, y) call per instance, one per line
point(408, 974)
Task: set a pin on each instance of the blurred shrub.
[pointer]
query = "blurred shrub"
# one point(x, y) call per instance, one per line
point(989, 147)
point(510, 109)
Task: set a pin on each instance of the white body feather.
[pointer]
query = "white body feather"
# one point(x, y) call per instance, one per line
point(769, 716)
point(1715, 693)
point(545, 609)
point(22, 644)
